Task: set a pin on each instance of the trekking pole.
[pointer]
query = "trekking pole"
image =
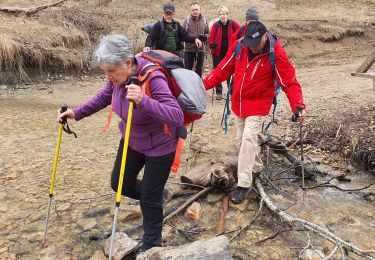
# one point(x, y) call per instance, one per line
point(294, 119)
point(122, 169)
point(63, 108)
point(210, 69)
point(188, 152)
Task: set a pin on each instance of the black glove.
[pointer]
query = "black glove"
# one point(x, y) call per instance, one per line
point(213, 45)
point(202, 37)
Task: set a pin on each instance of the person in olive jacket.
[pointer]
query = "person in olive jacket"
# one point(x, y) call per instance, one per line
point(168, 34)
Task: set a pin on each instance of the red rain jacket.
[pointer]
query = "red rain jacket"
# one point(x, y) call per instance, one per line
point(216, 33)
point(254, 89)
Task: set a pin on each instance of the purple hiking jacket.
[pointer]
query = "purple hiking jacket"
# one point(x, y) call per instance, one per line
point(146, 133)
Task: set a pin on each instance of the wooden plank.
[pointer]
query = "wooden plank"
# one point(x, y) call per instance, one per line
point(367, 63)
point(369, 75)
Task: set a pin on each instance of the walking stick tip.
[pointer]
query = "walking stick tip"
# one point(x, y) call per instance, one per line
point(44, 242)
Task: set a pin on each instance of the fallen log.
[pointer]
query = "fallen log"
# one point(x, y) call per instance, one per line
point(211, 249)
point(29, 11)
point(220, 174)
point(324, 233)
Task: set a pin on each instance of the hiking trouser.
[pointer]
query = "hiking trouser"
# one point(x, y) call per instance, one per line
point(190, 58)
point(249, 161)
point(216, 60)
point(148, 190)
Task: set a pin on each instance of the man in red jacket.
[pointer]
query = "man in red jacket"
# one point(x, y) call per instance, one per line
point(253, 92)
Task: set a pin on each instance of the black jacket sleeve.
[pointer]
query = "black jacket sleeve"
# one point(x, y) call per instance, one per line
point(153, 38)
point(184, 35)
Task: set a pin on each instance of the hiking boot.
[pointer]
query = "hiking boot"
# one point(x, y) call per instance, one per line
point(239, 194)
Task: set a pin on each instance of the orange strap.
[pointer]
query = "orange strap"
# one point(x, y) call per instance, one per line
point(177, 157)
point(106, 128)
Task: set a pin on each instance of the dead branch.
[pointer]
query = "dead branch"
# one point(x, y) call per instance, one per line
point(250, 223)
point(29, 11)
point(222, 214)
point(369, 254)
point(337, 187)
point(182, 230)
point(186, 184)
point(273, 236)
point(188, 202)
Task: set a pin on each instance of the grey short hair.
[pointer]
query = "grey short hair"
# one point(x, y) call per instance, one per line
point(113, 49)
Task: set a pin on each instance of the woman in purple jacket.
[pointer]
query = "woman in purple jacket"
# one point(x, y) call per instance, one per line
point(149, 146)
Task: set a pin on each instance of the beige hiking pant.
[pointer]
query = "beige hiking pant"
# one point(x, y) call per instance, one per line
point(249, 161)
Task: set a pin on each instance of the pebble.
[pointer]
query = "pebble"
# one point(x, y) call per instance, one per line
point(3, 87)
point(8, 256)
point(194, 211)
point(127, 212)
point(310, 254)
point(99, 255)
point(277, 198)
point(87, 224)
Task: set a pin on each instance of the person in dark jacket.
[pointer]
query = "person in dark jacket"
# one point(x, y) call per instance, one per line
point(149, 146)
point(196, 25)
point(220, 40)
point(168, 34)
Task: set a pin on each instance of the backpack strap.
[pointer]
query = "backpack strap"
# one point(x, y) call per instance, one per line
point(240, 31)
point(272, 58)
point(144, 80)
point(187, 23)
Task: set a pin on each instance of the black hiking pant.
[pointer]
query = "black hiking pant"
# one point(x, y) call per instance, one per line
point(216, 60)
point(190, 58)
point(148, 190)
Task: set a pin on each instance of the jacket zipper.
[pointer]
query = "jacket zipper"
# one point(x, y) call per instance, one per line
point(243, 78)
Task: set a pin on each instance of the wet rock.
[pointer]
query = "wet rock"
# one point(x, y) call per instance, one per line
point(127, 212)
point(87, 224)
point(8, 256)
point(276, 198)
point(4, 250)
point(211, 249)
point(96, 212)
point(123, 245)
point(99, 255)
point(312, 254)
point(194, 211)
point(213, 198)
point(20, 248)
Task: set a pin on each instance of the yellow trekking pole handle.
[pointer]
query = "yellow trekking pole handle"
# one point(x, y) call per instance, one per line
point(124, 152)
point(52, 186)
point(122, 171)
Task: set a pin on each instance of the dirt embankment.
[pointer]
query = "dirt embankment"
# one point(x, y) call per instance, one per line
point(341, 122)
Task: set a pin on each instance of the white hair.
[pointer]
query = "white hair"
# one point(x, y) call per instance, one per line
point(113, 49)
point(224, 9)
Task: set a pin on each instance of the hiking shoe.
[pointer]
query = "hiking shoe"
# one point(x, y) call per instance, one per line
point(239, 194)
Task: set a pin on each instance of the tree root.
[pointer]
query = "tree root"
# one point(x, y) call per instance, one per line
point(369, 254)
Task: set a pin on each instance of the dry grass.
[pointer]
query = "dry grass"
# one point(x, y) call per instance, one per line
point(62, 38)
